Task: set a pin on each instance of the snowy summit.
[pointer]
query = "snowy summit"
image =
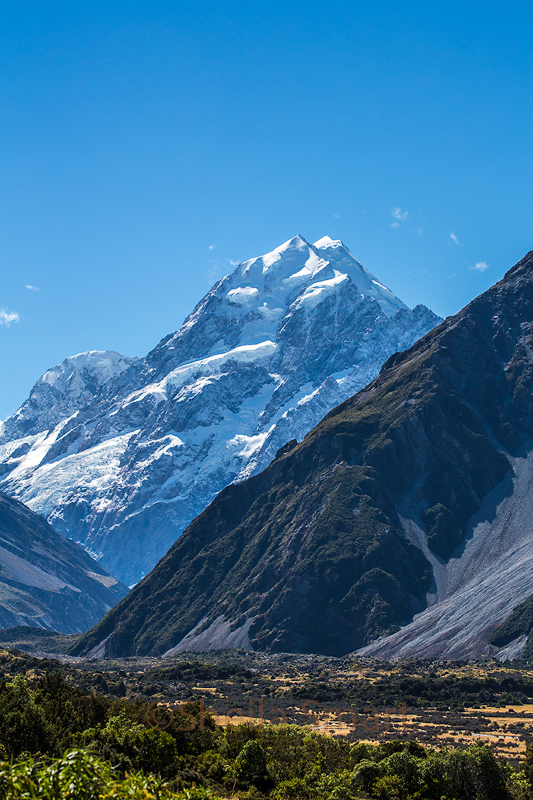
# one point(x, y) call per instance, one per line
point(122, 457)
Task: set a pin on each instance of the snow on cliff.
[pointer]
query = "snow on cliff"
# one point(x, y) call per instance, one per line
point(121, 454)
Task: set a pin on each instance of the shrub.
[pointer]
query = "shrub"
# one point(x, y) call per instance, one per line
point(24, 728)
point(77, 776)
point(250, 764)
point(130, 746)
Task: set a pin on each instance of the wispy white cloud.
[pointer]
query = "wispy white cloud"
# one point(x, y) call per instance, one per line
point(7, 317)
point(395, 224)
point(31, 288)
point(454, 238)
point(397, 213)
point(420, 231)
point(212, 246)
point(480, 266)
point(219, 269)
point(214, 272)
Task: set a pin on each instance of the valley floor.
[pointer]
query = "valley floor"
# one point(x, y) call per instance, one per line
point(435, 703)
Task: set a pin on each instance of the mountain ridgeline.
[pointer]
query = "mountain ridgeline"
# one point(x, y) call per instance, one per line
point(47, 581)
point(391, 506)
point(122, 454)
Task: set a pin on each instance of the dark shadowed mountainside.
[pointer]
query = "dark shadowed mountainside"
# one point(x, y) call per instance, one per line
point(379, 514)
point(47, 581)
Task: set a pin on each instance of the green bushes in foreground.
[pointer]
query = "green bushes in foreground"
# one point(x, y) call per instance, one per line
point(82, 776)
point(473, 774)
point(58, 744)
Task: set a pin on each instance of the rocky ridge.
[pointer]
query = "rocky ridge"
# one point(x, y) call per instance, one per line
point(46, 581)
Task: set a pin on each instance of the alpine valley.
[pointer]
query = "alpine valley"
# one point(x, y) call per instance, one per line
point(121, 454)
point(400, 526)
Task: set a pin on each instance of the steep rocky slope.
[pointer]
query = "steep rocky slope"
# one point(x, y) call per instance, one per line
point(47, 581)
point(514, 636)
point(124, 465)
point(412, 496)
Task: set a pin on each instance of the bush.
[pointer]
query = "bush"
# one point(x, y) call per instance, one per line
point(294, 789)
point(366, 773)
point(250, 764)
point(24, 727)
point(131, 746)
point(77, 776)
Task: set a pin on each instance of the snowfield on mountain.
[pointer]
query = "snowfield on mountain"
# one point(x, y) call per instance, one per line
point(122, 454)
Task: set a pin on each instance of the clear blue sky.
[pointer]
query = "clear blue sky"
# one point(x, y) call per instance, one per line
point(145, 146)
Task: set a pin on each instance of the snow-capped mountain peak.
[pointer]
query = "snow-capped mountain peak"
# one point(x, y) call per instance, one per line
point(64, 389)
point(342, 259)
point(101, 365)
point(123, 466)
point(254, 303)
point(288, 249)
point(285, 269)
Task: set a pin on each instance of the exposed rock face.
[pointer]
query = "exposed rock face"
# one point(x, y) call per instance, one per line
point(514, 636)
point(412, 496)
point(124, 466)
point(47, 581)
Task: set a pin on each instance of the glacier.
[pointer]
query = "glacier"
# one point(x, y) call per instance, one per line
point(121, 454)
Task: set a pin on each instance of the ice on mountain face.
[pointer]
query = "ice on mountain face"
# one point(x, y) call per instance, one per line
point(211, 365)
point(340, 258)
point(122, 454)
point(243, 294)
point(317, 292)
point(64, 390)
point(100, 365)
